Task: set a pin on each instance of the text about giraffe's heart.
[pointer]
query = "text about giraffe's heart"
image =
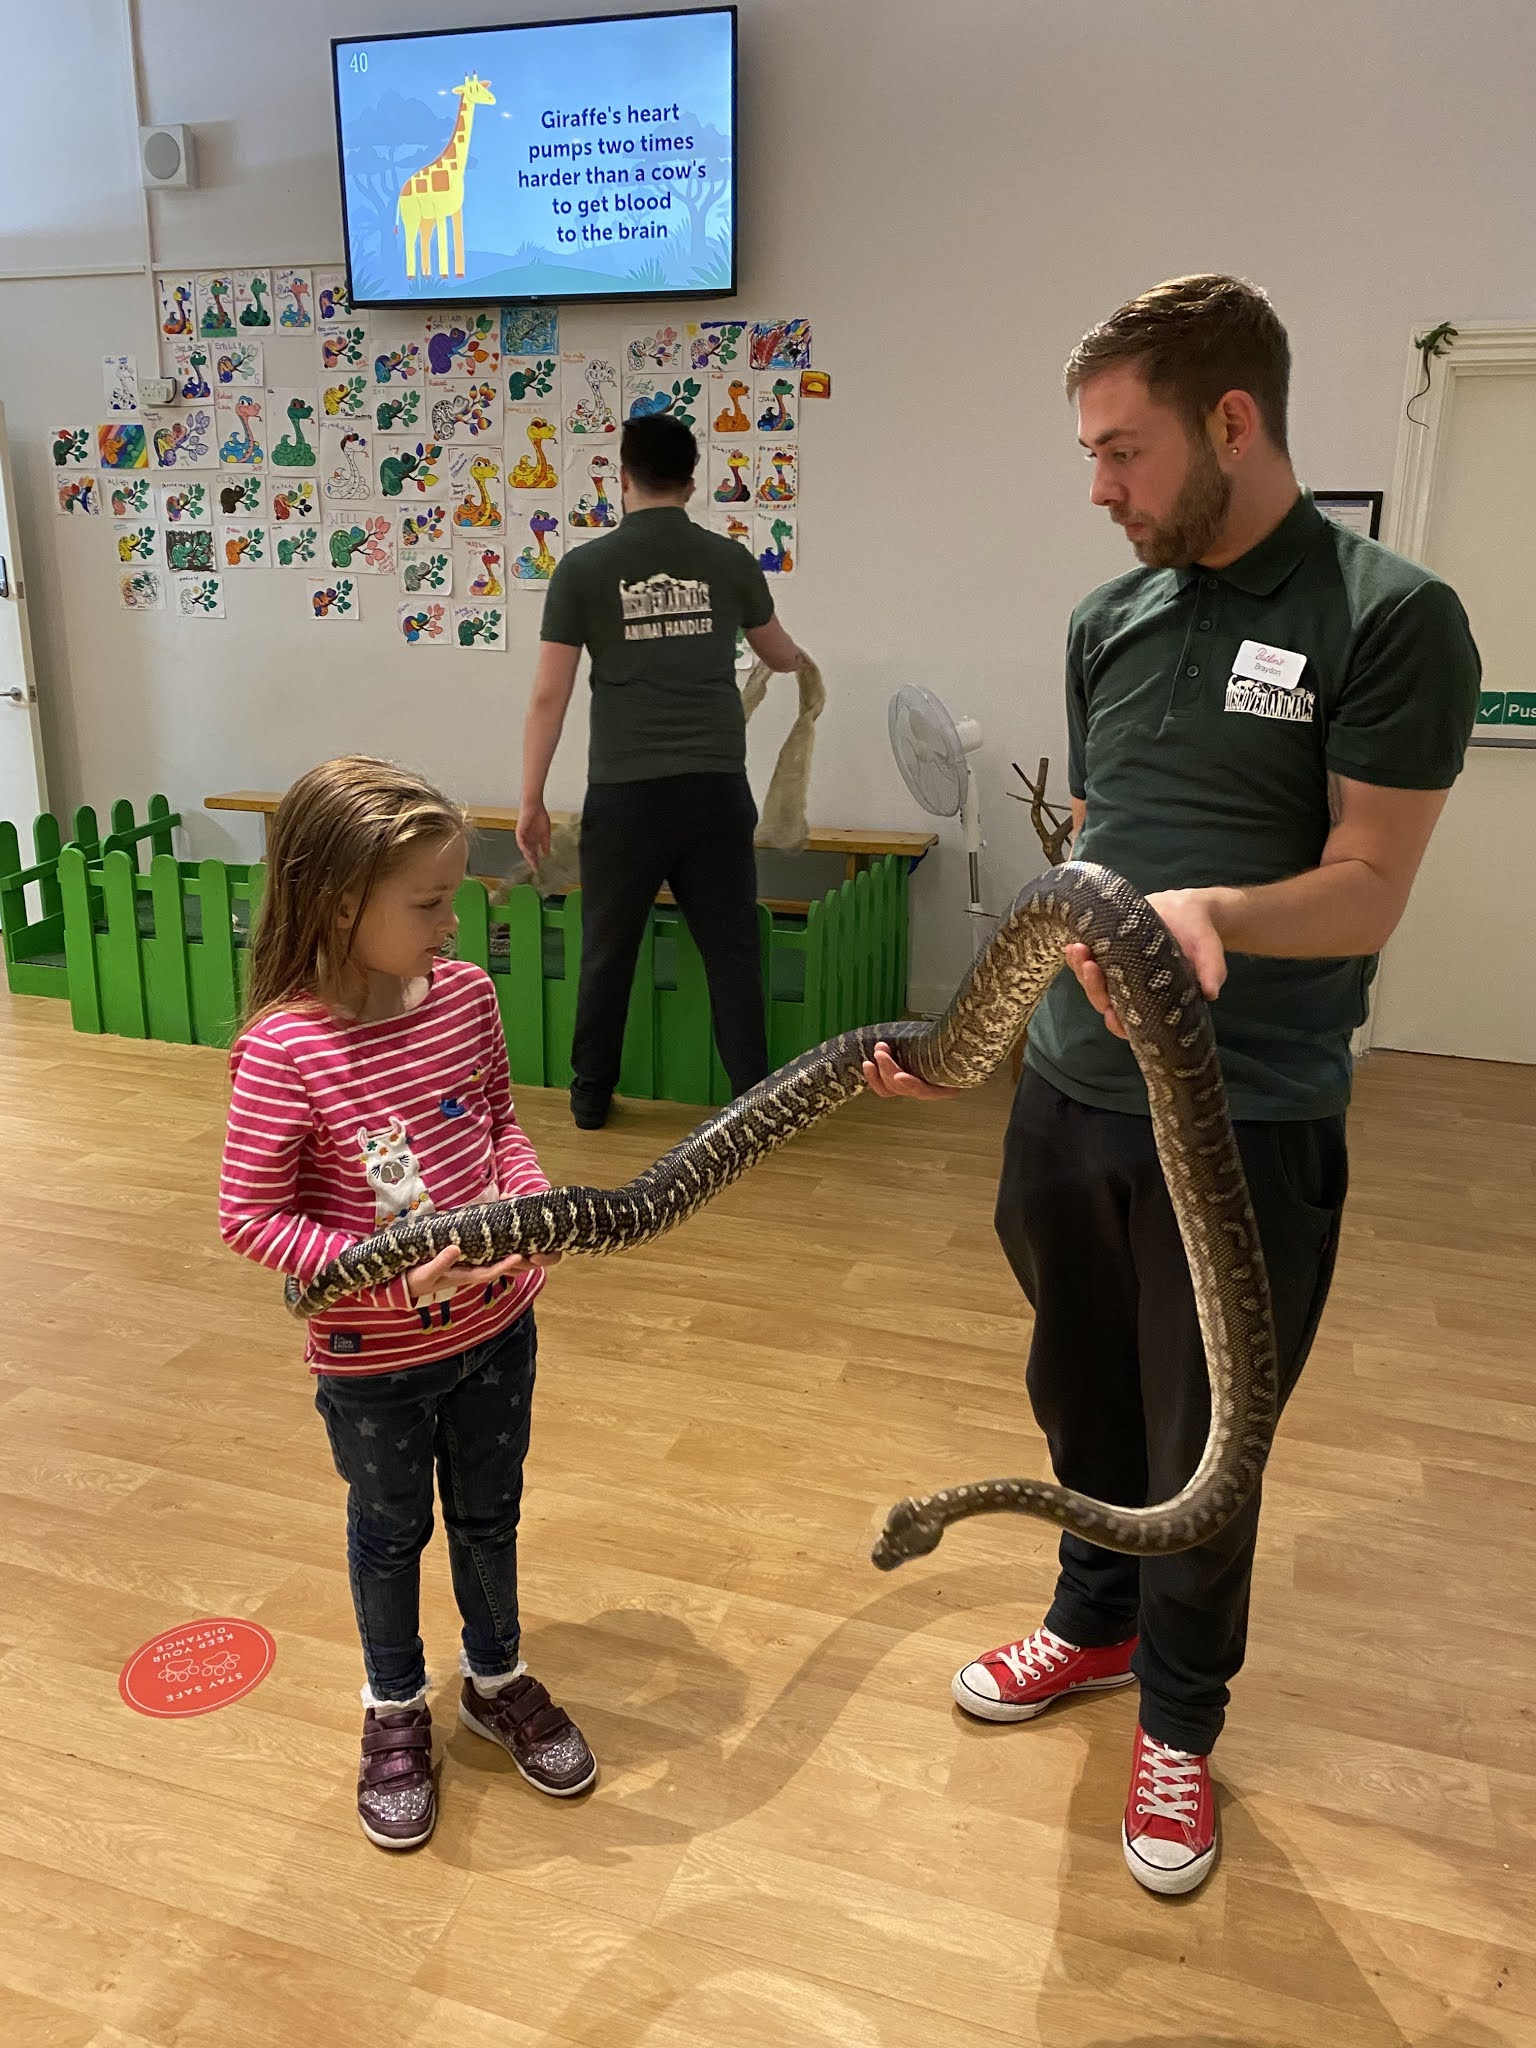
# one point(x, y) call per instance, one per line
point(629, 159)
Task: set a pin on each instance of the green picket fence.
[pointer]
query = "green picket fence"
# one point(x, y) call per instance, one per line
point(32, 933)
point(163, 953)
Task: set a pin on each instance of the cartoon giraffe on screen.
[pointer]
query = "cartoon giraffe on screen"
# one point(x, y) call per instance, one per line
point(434, 195)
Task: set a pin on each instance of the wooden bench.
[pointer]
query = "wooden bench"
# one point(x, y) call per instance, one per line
point(857, 845)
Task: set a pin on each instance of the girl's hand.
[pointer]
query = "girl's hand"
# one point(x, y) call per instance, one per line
point(447, 1274)
point(883, 1076)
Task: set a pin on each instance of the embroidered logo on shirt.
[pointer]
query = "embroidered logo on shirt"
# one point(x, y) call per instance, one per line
point(666, 608)
point(392, 1171)
point(346, 1342)
point(1264, 700)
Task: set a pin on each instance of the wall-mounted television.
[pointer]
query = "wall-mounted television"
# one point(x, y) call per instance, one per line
point(555, 160)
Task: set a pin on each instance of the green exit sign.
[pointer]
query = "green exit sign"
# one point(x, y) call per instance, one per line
point(1490, 707)
point(1520, 707)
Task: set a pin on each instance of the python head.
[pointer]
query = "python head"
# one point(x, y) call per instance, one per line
point(911, 1530)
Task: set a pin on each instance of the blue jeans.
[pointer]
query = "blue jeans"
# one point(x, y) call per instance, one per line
point(469, 1415)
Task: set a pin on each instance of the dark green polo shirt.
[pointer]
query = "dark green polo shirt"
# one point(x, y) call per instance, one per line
point(1204, 760)
point(658, 604)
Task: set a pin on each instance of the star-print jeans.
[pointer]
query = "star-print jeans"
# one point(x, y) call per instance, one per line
point(468, 1417)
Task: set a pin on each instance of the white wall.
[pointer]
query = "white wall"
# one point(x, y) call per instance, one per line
point(951, 193)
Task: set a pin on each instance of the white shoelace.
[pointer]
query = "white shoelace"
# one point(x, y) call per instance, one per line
point(1171, 1780)
point(1035, 1656)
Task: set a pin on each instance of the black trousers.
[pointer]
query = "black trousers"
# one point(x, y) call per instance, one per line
point(1117, 1375)
point(693, 833)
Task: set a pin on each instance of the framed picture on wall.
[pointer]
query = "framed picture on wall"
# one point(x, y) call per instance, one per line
point(1360, 511)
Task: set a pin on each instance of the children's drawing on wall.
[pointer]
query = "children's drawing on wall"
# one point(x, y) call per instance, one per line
point(431, 201)
point(781, 345)
point(253, 299)
point(474, 476)
point(530, 331)
point(181, 440)
point(344, 465)
point(242, 497)
point(72, 448)
point(120, 383)
point(215, 303)
point(141, 590)
point(716, 344)
point(592, 499)
point(656, 348)
point(347, 400)
point(777, 540)
point(590, 395)
point(136, 543)
point(294, 412)
point(333, 302)
point(199, 597)
point(244, 545)
point(191, 362)
point(297, 546)
point(189, 547)
point(122, 445)
point(462, 344)
point(399, 365)
point(334, 601)
point(536, 562)
point(736, 526)
point(78, 495)
point(478, 625)
point(535, 469)
point(397, 409)
point(177, 297)
point(239, 365)
point(729, 403)
point(423, 527)
point(731, 475)
point(426, 572)
point(647, 394)
point(293, 296)
point(342, 349)
point(482, 570)
point(423, 625)
point(777, 473)
point(410, 468)
point(184, 504)
point(534, 379)
point(366, 546)
point(472, 413)
point(241, 428)
point(776, 403)
point(132, 497)
point(293, 500)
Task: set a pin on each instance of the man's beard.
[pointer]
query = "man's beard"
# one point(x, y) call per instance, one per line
point(1199, 512)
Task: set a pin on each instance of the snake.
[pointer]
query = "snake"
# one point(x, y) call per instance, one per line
point(1168, 1025)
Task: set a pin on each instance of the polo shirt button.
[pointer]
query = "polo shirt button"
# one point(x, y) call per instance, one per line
point(1192, 670)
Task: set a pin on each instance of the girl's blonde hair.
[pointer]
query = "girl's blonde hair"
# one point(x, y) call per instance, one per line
point(337, 832)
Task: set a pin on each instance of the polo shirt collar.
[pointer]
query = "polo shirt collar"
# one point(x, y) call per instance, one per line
point(1265, 566)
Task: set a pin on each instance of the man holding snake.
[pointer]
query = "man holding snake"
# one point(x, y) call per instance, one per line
point(1265, 719)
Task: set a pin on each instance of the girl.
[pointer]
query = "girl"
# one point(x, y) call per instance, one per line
point(370, 1085)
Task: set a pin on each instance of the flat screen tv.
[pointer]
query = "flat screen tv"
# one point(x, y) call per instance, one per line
point(556, 160)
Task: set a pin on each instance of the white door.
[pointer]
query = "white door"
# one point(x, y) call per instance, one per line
point(1459, 975)
point(23, 787)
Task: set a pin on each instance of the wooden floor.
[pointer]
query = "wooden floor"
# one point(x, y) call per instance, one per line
point(797, 1840)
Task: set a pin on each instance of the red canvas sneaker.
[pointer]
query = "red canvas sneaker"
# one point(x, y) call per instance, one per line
point(1019, 1680)
point(1170, 1817)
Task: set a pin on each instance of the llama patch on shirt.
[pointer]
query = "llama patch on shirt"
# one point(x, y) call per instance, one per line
point(393, 1172)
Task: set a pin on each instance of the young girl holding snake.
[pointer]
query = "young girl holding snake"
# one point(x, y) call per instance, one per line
point(370, 1083)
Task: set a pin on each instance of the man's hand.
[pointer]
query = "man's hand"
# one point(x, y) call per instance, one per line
point(1191, 915)
point(884, 1077)
point(447, 1274)
point(533, 833)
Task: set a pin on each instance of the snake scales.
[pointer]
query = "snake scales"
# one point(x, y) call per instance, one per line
point(1170, 1034)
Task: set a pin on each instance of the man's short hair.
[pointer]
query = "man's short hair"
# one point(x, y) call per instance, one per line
point(1193, 340)
point(659, 452)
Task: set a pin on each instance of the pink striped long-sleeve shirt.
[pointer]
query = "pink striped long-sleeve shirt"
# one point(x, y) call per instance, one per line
point(336, 1128)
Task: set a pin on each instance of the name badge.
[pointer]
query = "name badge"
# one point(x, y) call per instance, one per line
point(1278, 666)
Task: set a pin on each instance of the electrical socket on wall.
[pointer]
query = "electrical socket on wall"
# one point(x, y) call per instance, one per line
point(157, 390)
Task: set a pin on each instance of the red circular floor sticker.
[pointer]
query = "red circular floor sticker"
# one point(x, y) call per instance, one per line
point(195, 1668)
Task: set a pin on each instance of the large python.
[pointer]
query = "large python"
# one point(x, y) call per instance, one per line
point(1169, 1029)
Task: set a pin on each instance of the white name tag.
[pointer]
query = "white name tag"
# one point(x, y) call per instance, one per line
point(1257, 663)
